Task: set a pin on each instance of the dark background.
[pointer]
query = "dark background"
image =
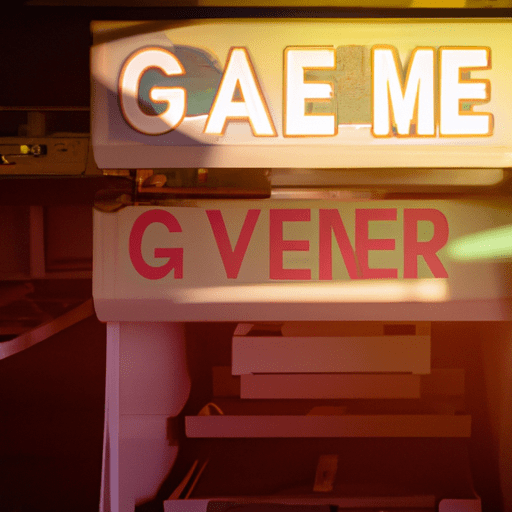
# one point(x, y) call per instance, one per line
point(44, 49)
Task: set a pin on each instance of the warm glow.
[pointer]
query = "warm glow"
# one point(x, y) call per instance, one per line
point(383, 290)
point(490, 244)
point(405, 103)
point(297, 92)
point(240, 73)
point(454, 90)
point(371, 177)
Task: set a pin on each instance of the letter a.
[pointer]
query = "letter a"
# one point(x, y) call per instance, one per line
point(239, 73)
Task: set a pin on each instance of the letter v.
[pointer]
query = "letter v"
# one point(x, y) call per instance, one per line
point(232, 259)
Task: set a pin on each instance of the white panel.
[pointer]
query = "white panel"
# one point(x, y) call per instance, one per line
point(147, 383)
point(153, 374)
point(120, 144)
point(368, 354)
point(205, 291)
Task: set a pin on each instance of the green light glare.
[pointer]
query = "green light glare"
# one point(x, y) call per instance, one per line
point(490, 244)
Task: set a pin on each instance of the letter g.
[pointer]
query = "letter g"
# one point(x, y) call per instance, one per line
point(174, 255)
point(175, 97)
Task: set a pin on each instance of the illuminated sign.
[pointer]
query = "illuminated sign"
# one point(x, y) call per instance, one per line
point(215, 258)
point(318, 93)
point(399, 107)
point(329, 223)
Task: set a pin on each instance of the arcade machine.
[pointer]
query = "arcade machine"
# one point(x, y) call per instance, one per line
point(307, 297)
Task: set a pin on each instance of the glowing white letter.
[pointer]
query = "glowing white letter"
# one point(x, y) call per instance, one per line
point(239, 73)
point(454, 90)
point(412, 103)
point(176, 97)
point(296, 61)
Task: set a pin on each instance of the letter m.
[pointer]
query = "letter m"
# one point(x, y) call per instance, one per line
point(397, 102)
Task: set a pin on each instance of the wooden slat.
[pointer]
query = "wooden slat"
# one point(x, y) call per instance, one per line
point(448, 382)
point(41, 333)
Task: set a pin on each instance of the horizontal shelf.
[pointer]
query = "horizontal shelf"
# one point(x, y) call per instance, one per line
point(330, 386)
point(225, 503)
point(385, 425)
point(67, 274)
point(353, 354)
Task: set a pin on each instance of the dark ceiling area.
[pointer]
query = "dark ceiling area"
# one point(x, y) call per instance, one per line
point(45, 58)
point(45, 48)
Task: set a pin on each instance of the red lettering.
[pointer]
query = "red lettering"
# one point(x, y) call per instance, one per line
point(175, 256)
point(232, 259)
point(278, 245)
point(331, 220)
point(364, 244)
point(413, 248)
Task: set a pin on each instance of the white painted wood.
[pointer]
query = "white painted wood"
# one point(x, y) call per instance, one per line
point(368, 354)
point(147, 383)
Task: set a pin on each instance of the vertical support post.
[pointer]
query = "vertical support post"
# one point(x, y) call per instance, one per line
point(497, 359)
point(37, 256)
point(505, 428)
point(109, 493)
point(36, 124)
point(147, 382)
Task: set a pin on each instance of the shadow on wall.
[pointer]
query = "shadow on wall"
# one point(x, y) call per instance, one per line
point(52, 397)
